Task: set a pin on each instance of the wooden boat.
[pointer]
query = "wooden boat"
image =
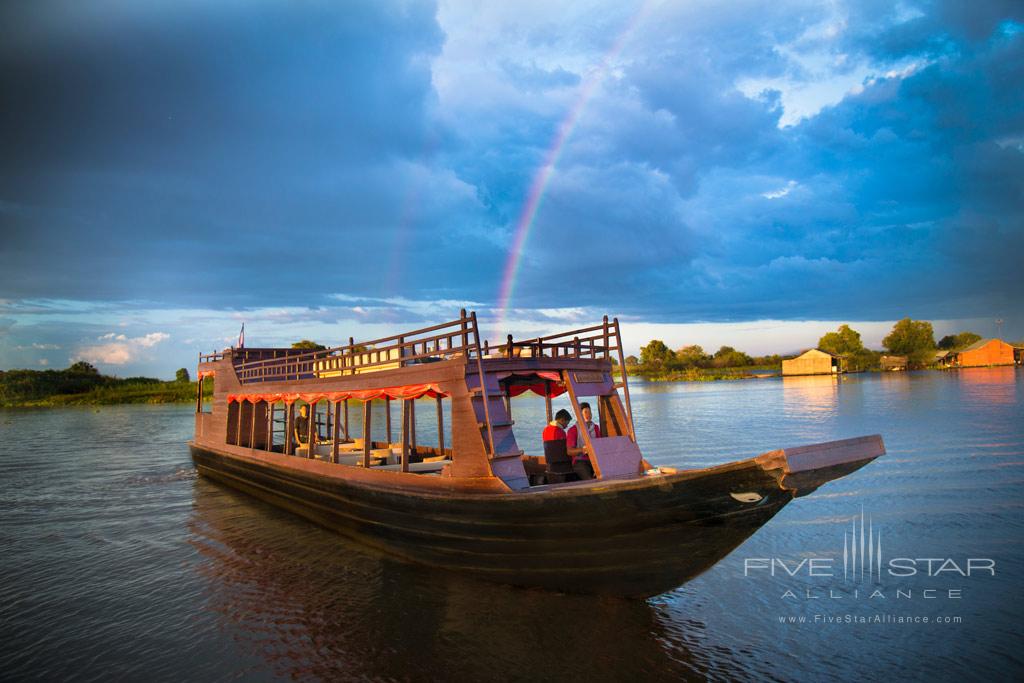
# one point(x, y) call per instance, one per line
point(476, 502)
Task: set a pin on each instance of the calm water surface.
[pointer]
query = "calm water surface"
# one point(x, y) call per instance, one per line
point(117, 562)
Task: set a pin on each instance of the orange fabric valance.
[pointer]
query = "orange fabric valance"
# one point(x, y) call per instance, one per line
point(408, 391)
point(206, 373)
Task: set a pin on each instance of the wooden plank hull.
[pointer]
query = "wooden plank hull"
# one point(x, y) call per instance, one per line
point(632, 538)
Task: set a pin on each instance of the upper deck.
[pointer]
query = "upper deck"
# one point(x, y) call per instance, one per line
point(588, 348)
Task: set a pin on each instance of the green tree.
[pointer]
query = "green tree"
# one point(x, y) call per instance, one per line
point(656, 355)
point(632, 361)
point(844, 341)
point(958, 341)
point(83, 368)
point(308, 345)
point(912, 338)
point(182, 375)
point(692, 356)
point(728, 357)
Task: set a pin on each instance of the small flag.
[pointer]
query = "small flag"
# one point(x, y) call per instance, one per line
point(241, 337)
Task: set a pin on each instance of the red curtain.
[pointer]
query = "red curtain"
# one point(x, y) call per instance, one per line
point(539, 388)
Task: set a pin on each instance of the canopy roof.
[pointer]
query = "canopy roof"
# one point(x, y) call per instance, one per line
point(408, 391)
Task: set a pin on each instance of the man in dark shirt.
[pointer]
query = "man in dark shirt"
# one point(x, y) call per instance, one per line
point(302, 427)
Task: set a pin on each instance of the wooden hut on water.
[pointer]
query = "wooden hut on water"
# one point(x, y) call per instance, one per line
point(982, 353)
point(893, 363)
point(813, 362)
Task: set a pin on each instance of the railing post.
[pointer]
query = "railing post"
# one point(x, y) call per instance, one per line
point(352, 358)
point(508, 347)
point(625, 381)
point(465, 332)
point(604, 323)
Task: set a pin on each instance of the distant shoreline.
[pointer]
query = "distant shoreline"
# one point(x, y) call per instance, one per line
point(156, 392)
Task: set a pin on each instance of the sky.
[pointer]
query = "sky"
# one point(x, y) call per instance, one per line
point(743, 173)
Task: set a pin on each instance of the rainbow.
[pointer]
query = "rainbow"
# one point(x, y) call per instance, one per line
point(544, 173)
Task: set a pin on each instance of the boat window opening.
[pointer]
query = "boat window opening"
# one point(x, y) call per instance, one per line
point(204, 388)
point(232, 424)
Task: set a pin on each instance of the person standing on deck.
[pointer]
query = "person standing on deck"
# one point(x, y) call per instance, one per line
point(302, 428)
point(576, 443)
point(555, 455)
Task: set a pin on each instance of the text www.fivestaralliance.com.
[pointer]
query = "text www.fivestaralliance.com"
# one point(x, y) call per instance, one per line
point(828, 619)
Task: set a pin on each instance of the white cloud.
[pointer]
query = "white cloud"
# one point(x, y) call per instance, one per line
point(781, 192)
point(118, 349)
point(44, 361)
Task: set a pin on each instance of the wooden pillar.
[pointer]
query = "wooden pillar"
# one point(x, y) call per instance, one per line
point(289, 427)
point(334, 434)
point(238, 423)
point(270, 426)
point(440, 425)
point(405, 435)
point(252, 426)
point(547, 399)
point(387, 418)
point(199, 395)
point(412, 423)
point(346, 421)
point(367, 424)
point(311, 434)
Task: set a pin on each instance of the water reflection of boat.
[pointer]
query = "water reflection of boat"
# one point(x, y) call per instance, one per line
point(316, 607)
point(482, 505)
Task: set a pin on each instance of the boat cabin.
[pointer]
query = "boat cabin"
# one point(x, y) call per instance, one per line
point(334, 406)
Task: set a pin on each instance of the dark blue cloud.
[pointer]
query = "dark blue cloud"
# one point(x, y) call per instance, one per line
point(239, 156)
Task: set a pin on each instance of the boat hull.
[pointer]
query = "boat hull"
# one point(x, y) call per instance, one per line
point(633, 538)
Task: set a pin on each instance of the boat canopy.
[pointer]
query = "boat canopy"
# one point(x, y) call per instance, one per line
point(408, 391)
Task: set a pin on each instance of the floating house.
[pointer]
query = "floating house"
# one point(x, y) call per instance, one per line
point(893, 363)
point(981, 353)
point(813, 362)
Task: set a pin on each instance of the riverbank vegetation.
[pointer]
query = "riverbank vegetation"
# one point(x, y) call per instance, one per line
point(82, 384)
point(914, 339)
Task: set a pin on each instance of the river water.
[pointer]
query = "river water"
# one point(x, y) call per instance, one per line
point(118, 562)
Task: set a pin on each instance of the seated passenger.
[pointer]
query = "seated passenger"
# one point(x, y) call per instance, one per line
point(301, 429)
point(576, 444)
point(555, 454)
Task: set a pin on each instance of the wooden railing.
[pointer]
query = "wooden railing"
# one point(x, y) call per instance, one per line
point(456, 338)
point(595, 342)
